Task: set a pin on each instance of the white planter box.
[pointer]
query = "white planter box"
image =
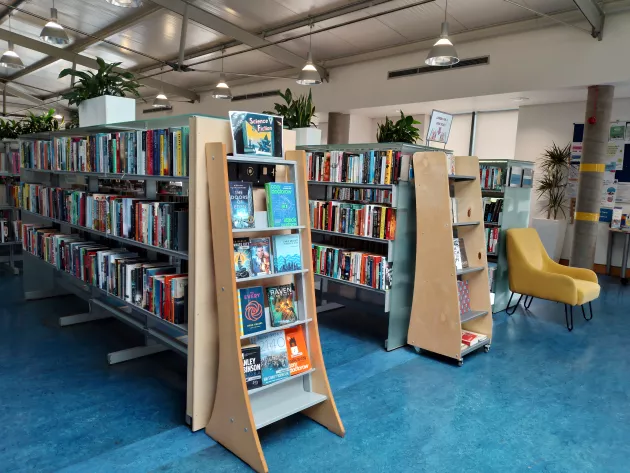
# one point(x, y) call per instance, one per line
point(308, 136)
point(106, 109)
point(551, 233)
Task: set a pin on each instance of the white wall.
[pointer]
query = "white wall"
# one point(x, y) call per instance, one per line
point(360, 130)
point(541, 125)
point(459, 138)
point(495, 137)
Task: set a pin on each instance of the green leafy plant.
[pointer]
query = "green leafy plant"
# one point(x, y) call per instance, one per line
point(552, 186)
point(106, 81)
point(36, 123)
point(298, 112)
point(10, 129)
point(74, 120)
point(402, 131)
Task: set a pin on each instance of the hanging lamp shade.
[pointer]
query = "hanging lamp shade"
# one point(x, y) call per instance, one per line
point(53, 32)
point(309, 74)
point(443, 52)
point(11, 59)
point(126, 3)
point(161, 101)
point(222, 90)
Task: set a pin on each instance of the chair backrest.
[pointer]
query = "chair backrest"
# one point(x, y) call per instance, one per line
point(525, 243)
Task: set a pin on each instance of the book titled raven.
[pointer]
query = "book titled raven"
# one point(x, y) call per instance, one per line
point(273, 356)
point(282, 308)
point(242, 261)
point(296, 350)
point(242, 203)
point(251, 309)
point(286, 253)
point(281, 206)
point(251, 366)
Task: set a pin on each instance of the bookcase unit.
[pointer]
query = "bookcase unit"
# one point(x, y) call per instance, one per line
point(239, 413)
point(197, 340)
point(515, 214)
point(436, 323)
point(9, 176)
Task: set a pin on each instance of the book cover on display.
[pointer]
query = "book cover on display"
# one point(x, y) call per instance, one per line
point(282, 308)
point(286, 253)
point(242, 260)
point(256, 134)
point(281, 206)
point(251, 366)
point(296, 350)
point(242, 204)
point(273, 356)
point(251, 310)
point(260, 250)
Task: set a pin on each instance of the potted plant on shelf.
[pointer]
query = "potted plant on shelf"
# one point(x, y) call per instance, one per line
point(37, 123)
point(102, 98)
point(551, 190)
point(403, 131)
point(10, 129)
point(298, 115)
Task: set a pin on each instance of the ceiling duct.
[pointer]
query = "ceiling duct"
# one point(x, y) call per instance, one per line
point(256, 95)
point(476, 61)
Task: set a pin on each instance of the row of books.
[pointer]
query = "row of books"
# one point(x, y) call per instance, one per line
point(274, 356)
point(520, 177)
point(492, 268)
point(281, 204)
point(370, 167)
point(492, 239)
point(491, 177)
point(459, 251)
point(254, 256)
point(160, 152)
point(10, 162)
point(374, 221)
point(9, 229)
point(160, 224)
point(492, 209)
point(280, 308)
point(153, 286)
point(374, 196)
point(354, 266)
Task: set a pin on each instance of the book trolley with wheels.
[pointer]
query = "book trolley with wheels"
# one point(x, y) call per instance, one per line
point(436, 322)
point(239, 413)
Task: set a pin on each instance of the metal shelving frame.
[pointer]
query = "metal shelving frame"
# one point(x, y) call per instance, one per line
point(12, 257)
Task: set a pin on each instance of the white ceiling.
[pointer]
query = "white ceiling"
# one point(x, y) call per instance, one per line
point(157, 36)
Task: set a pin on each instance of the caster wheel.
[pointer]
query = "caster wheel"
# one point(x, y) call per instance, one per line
point(460, 363)
point(486, 348)
point(417, 349)
point(624, 281)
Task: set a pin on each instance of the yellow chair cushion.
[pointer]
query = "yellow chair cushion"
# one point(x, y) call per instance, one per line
point(586, 291)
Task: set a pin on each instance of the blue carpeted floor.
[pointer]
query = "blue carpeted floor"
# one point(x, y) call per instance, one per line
point(543, 399)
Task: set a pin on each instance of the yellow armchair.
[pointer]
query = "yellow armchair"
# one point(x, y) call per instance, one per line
point(533, 274)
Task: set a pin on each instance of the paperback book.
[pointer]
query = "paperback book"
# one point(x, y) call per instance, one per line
point(282, 307)
point(242, 203)
point(463, 292)
point(286, 253)
point(242, 259)
point(281, 206)
point(273, 356)
point(457, 254)
point(251, 366)
point(260, 250)
point(297, 351)
point(256, 134)
point(251, 310)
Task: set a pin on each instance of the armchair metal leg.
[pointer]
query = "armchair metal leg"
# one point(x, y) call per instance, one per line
point(507, 309)
point(568, 315)
point(590, 307)
point(527, 304)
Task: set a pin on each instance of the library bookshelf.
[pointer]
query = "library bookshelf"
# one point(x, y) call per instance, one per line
point(516, 208)
point(239, 413)
point(197, 339)
point(436, 323)
point(398, 252)
point(9, 176)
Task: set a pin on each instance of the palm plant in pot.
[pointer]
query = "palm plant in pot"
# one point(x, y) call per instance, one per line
point(103, 97)
point(401, 131)
point(297, 114)
point(551, 190)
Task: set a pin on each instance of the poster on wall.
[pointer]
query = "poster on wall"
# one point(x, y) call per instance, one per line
point(607, 201)
point(572, 180)
point(256, 134)
point(618, 131)
point(576, 152)
point(623, 193)
point(439, 126)
point(614, 155)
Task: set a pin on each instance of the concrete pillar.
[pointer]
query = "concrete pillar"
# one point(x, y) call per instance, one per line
point(592, 165)
point(338, 128)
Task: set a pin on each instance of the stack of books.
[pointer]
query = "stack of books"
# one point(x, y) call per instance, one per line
point(492, 210)
point(471, 339)
point(492, 240)
point(374, 221)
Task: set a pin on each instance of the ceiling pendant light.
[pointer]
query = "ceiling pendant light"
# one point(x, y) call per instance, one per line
point(443, 52)
point(161, 100)
point(126, 3)
point(53, 32)
point(222, 90)
point(309, 74)
point(58, 116)
point(10, 58)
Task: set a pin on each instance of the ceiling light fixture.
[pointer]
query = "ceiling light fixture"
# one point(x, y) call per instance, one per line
point(58, 116)
point(53, 32)
point(309, 75)
point(161, 100)
point(10, 58)
point(126, 3)
point(222, 90)
point(443, 52)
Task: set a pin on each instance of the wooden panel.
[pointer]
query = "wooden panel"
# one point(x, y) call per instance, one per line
point(232, 423)
point(203, 348)
point(468, 194)
point(435, 323)
point(326, 412)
